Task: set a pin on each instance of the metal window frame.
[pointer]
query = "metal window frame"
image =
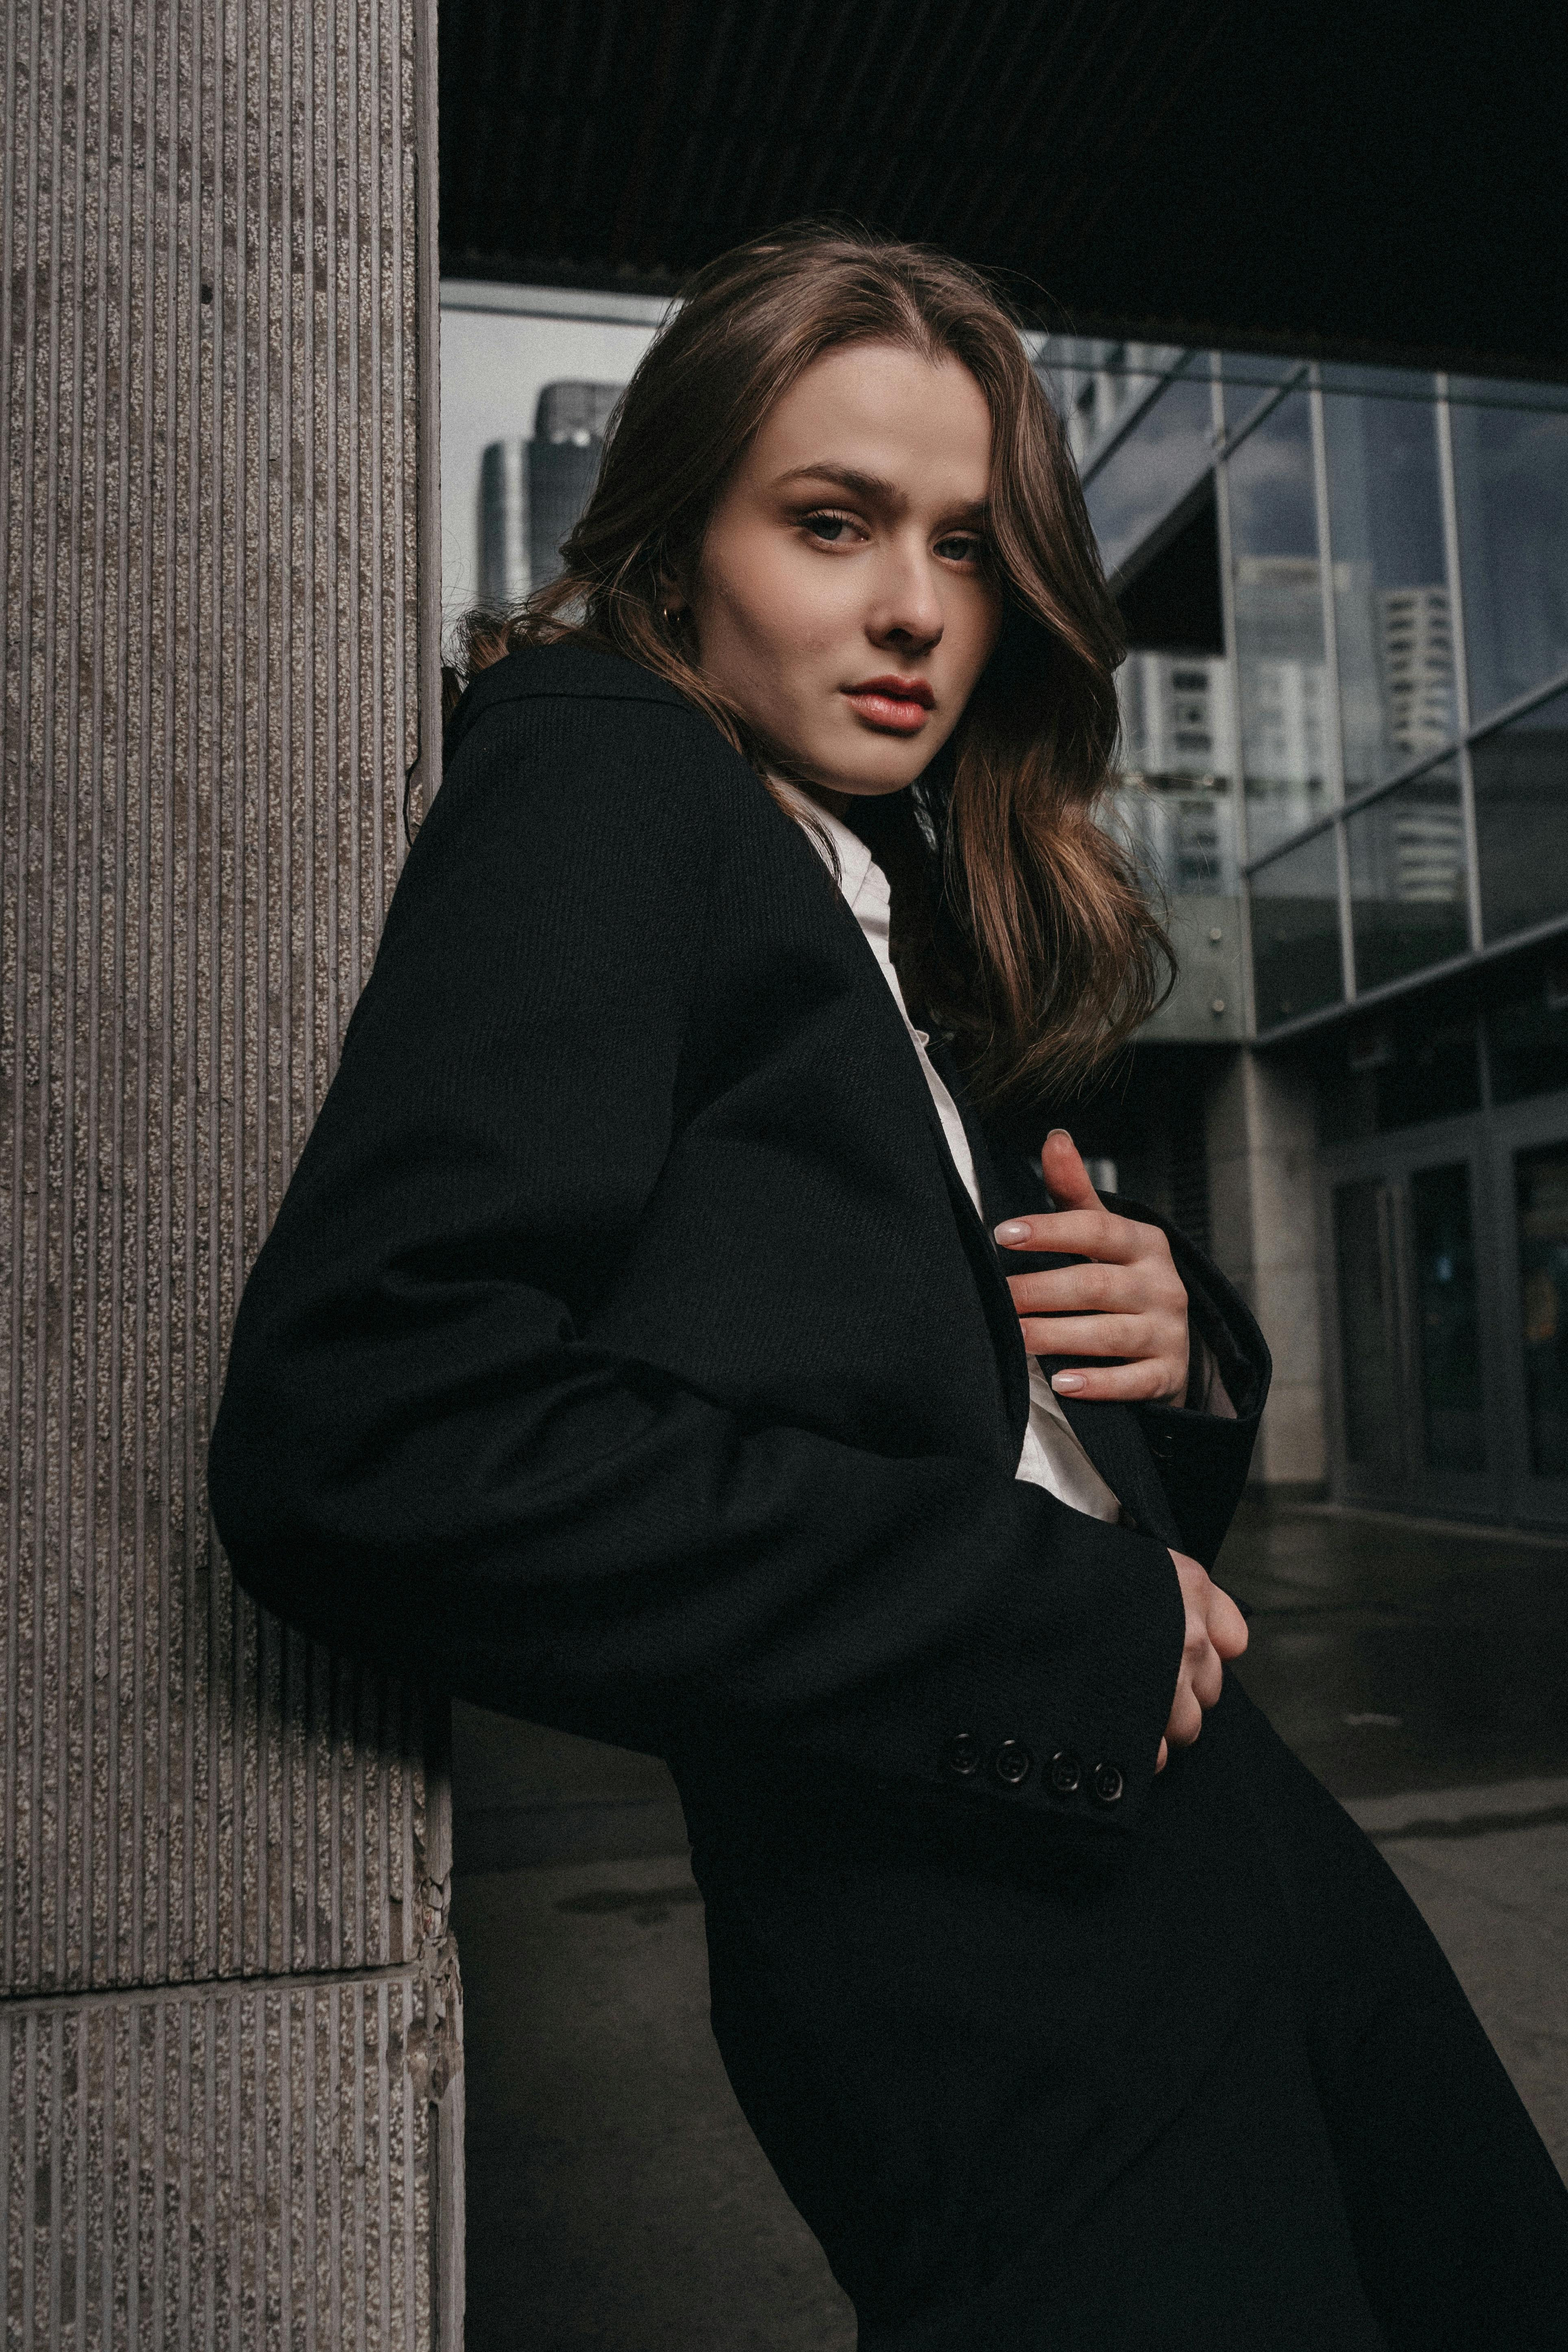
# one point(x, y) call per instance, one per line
point(1333, 730)
point(1233, 685)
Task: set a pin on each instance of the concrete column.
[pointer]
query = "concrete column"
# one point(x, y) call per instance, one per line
point(1262, 1157)
point(229, 2038)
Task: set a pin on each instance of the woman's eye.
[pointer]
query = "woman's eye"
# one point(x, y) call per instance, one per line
point(829, 528)
point(959, 547)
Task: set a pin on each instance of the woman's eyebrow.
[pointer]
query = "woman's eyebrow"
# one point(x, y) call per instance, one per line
point(874, 487)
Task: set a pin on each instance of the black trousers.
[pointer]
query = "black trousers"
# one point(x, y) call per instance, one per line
point(1211, 2087)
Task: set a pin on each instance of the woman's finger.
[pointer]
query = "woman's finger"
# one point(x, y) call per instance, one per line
point(1093, 1335)
point(1078, 1233)
point(1067, 1178)
point(1152, 1380)
point(1096, 1289)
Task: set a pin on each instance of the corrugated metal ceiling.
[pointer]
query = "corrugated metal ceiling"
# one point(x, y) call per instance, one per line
point(1313, 178)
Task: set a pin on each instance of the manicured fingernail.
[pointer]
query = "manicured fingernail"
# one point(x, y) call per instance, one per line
point(1014, 1229)
point(1066, 1383)
point(1062, 1133)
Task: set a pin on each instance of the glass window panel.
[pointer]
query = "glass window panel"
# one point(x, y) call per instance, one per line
point(1521, 819)
point(1527, 1040)
point(1403, 1069)
point(1248, 378)
point(1448, 1332)
point(1392, 609)
point(1383, 383)
point(1541, 1192)
point(1278, 623)
point(1407, 877)
point(1510, 476)
point(1170, 448)
point(1295, 965)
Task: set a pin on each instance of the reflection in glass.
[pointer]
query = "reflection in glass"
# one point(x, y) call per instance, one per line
point(1521, 819)
point(1407, 877)
point(1178, 761)
point(1183, 835)
point(1363, 1261)
point(1295, 965)
point(1510, 476)
point(1448, 1340)
point(1541, 1192)
point(1169, 450)
point(1092, 383)
point(1392, 609)
point(1278, 623)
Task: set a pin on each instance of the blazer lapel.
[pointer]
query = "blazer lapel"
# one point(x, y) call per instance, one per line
point(976, 1228)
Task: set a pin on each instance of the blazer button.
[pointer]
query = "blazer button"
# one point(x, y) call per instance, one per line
point(1107, 1784)
point(965, 1754)
point(1011, 1762)
point(1064, 1773)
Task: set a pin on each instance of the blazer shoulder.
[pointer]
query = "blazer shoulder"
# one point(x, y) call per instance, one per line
point(564, 672)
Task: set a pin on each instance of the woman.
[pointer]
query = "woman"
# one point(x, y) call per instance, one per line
point(633, 1348)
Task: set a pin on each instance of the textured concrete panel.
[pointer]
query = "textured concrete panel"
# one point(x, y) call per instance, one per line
point(207, 508)
point(214, 422)
point(240, 2165)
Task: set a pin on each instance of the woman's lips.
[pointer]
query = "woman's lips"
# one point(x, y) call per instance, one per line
point(899, 706)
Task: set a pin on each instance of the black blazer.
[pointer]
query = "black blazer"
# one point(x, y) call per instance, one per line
point(626, 1352)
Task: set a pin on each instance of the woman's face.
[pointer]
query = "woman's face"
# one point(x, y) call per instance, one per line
point(842, 600)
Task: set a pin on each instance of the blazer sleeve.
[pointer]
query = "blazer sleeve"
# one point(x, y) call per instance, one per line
point(425, 1450)
point(1202, 1457)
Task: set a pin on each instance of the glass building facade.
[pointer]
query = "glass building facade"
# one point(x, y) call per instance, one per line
point(1373, 679)
point(1345, 720)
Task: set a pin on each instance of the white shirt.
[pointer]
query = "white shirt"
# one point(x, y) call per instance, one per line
point(1052, 1457)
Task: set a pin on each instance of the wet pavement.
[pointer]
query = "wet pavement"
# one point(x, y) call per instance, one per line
point(1403, 1654)
point(618, 2201)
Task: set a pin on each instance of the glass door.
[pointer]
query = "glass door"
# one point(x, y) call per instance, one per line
point(1531, 1160)
point(1418, 1425)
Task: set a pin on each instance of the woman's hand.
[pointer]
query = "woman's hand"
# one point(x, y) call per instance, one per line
point(1127, 1302)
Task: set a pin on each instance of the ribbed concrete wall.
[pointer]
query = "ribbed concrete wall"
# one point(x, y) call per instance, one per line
point(215, 395)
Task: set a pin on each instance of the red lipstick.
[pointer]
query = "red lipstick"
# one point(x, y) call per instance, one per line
point(895, 706)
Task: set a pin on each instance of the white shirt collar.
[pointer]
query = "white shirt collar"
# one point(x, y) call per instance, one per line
point(859, 876)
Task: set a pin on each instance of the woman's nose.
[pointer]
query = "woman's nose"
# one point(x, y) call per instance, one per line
point(909, 609)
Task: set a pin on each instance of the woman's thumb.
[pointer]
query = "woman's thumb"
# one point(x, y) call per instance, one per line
point(1067, 1178)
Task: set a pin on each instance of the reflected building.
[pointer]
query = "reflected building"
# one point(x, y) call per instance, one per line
point(1344, 724)
point(531, 492)
point(1418, 641)
point(504, 571)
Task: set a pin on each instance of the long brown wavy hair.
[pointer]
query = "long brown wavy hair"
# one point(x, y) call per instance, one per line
point(1021, 927)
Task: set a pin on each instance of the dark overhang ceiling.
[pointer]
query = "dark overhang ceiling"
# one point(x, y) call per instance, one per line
point(1384, 180)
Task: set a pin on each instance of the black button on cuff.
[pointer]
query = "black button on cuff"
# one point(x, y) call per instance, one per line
point(1064, 1773)
point(1107, 1784)
point(1011, 1763)
point(965, 1754)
